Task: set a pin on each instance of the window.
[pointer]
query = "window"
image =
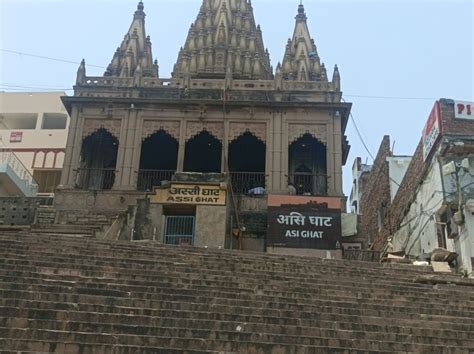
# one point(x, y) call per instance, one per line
point(54, 121)
point(47, 180)
point(23, 121)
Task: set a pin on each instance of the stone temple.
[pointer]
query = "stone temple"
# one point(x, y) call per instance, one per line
point(227, 153)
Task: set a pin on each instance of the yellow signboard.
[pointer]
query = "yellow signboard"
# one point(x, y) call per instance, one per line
point(190, 194)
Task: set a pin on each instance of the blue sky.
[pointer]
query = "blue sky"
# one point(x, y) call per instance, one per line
point(402, 54)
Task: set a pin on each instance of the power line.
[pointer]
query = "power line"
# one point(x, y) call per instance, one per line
point(360, 135)
point(48, 58)
point(24, 87)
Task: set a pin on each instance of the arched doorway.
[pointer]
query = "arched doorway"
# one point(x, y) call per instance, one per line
point(247, 157)
point(158, 160)
point(203, 154)
point(98, 161)
point(308, 166)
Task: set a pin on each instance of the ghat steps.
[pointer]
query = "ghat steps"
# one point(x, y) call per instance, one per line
point(61, 294)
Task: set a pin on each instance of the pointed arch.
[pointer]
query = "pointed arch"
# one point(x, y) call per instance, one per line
point(98, 161)
point(158, 160)
point(247, 159)
point(308, 165)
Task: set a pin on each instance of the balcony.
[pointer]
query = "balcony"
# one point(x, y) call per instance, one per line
point(309, 184)
point(95, 178)
point(247, 182)
point(147, 179)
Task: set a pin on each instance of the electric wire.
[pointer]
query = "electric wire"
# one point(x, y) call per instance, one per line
point(47, 58)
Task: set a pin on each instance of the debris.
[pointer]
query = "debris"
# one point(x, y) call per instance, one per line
point(441, 267)
point(443, 255)
point(421, 263)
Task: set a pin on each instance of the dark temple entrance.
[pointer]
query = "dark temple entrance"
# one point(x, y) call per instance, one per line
point(203, 154)
point(308, 166)
point(247, 157)
point(158, 160)
point(98, 161)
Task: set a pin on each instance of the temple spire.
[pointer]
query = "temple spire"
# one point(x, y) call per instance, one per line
point(301, 61)
point(223, 41)
point(81, 73)
point(135, 50)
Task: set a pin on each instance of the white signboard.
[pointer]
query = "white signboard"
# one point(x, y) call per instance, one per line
point(463, 110)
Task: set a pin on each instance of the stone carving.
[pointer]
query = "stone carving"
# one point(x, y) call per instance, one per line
point(152, 126)
point(257, 129)
point(92, 125)
point(296, 131)
point(194, 128)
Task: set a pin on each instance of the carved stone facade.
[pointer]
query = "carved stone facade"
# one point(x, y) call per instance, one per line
point(296, 131)
point(214, 128)
point(91, 126)
point(257, 129)
point(152, 126)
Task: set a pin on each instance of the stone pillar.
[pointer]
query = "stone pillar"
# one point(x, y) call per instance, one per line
point(285, 146)
point(182, 145)
point(137, 145)
point(269, 157)
point(127, 166)
point(338, 155)
point(76, 152)
point(277, 152)
point(225, 148)
point(330, 158)
point(71, 141)
point(119, 169)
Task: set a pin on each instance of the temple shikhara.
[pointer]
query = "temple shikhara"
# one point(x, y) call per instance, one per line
point(229, 152)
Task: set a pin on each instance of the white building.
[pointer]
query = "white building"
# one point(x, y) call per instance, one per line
point(359, 173)
point(397, 167)
point(33, 133)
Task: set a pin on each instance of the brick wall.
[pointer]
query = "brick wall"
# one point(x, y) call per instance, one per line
point(375, 200)
point(452, 126)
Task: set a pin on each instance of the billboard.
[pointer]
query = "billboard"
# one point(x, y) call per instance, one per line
point(463, 110)
point(312, 225)
point(432, 131)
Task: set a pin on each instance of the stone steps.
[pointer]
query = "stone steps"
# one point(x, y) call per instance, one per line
point(243, 263)
point(89, 268)
point(222, 341)
point(65, 294)
point(246, 299)
point(43, 347)
point(314, 329)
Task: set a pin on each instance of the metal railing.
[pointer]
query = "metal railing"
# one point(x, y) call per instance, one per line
point(309, 183)
point(179, 230)
point(95, 178)
point(362, 255)
point(10, 159)
point(147, 179)
point(247, 182)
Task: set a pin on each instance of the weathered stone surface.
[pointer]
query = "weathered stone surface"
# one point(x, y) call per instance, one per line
point(62, 294)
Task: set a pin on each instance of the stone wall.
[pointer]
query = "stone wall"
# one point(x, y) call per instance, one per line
point(20, 210)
